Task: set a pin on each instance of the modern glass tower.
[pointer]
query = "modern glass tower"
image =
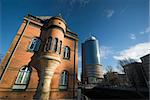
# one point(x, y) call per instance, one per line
point(91, 66)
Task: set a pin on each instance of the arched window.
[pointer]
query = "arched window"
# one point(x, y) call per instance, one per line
point(48, 44)
point(64, 80)
point(66, 52)
point(60, 45)
point(34, 45)
point(55, 44)
point(23, 78)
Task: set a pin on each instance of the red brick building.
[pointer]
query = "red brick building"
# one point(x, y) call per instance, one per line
point(42, 61)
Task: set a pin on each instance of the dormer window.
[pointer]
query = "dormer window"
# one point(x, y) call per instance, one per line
point(66, 52)
point(34, 45)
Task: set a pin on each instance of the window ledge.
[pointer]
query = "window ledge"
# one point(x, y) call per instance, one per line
point(62, 87)
point(19, 87)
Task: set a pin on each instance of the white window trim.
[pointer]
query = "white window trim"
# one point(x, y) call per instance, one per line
point(24, 72)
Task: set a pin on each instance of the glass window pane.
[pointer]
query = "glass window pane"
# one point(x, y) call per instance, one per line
point(37, 45)
point(60, 47)
point(67, 52)
point(23, 76)
point(25, 81)
point(55, 44)
point(64, 80)
point(19, 78)
point(48, 44)
point(34, 45)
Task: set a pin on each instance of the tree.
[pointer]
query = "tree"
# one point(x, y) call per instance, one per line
point(126, 61)
point(111, 77)
point(109, 68)
point(128, 69)
point(120, 68)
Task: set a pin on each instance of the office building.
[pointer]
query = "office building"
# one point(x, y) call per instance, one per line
point(91, 67)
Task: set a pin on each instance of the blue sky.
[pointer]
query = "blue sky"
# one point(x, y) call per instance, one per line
point(121, 26)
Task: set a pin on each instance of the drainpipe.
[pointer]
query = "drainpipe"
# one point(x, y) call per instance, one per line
point(74, 69)
point(15, 48)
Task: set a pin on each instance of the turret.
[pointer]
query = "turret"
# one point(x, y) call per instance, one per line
point(52, 36)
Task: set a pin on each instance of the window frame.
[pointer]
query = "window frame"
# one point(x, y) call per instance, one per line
point(23, 78)
point(60, 46)
point(48, 44)
point(67, 52)
point(55, 44)
point(64, 80)
point(35, 42)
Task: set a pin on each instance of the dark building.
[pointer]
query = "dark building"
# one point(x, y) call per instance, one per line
point(138, 72)
point(135, 74)
point(145, 67)
point(123, 80)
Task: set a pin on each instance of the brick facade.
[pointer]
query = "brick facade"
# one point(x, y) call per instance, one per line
point(18, 56)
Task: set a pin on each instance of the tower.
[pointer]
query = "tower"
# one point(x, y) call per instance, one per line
point(91, 68)
point(41, 62)
point(52, 37)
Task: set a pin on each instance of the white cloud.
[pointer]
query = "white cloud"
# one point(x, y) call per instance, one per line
point(134, 52)
point(123, 10)
point(84, 3)
point(105, 52)
point(141, 33)
point(132, 36)
point(109, 13)
point(72, 2)
point(147, 30)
